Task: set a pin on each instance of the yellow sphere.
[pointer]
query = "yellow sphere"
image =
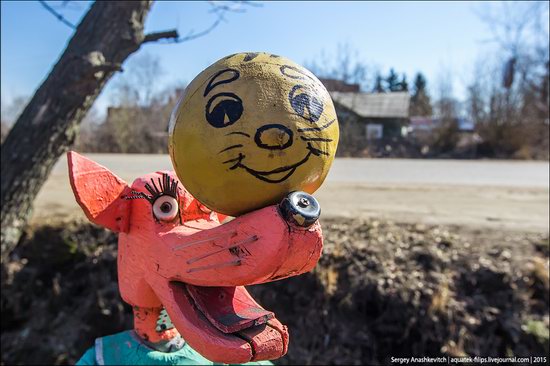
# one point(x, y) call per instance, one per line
point(251, 128)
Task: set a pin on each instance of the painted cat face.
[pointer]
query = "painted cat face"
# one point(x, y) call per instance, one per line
point(251, 128)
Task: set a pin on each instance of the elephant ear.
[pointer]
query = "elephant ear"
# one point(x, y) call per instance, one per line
point(99, 192)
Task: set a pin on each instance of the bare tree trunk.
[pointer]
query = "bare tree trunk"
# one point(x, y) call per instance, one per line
point(109, 33)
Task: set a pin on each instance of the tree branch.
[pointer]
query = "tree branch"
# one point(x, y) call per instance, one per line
point(217, 8)
point(191, 35)
point(59, 17)
point(232, 6)
point(153, 37)
point(174, 35)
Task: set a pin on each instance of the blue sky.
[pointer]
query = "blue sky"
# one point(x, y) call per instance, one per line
point(433, 37)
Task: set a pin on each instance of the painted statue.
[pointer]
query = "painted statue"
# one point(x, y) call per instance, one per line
point(252, 137)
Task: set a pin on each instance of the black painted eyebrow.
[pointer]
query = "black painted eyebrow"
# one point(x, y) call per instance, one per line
point(250, 56)
point(283, 69)
point(302, 75)
point(231, 147)
point(213, 83)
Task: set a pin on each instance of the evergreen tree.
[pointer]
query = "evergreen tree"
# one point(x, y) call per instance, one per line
point(378, 86)
point(403, 84)
point(393, 81)
point(419, 82)
point(420, 100)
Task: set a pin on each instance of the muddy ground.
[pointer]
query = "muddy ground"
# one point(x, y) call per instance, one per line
point(380, 290)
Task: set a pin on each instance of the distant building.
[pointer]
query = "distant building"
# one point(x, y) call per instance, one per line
point(420, 124)
point(374, 115)
point(339, 86)
point(465, 125)
point(422, 128)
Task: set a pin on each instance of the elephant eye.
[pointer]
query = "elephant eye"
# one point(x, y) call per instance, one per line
point(305, 105)
point(224, 109)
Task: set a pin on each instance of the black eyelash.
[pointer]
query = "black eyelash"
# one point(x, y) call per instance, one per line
point(168, 186)
point(135, 195)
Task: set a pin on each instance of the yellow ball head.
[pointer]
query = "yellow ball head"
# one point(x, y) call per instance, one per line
point(251, 128)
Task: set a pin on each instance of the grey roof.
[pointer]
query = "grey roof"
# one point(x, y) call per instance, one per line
point(379, 105)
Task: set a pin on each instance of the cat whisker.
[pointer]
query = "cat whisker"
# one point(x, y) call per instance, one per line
point(317, 128)
point(316, 151)
point(215, 266)
point(251, 239)
point(238, 159)
point(232, 160)
point(230, 147)
point(207, 240)
point(320, 139)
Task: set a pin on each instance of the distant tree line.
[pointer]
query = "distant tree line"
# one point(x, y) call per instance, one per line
point(107, 34)
point(507, 99)
point(391, 83)
point(129, 129)
point(509, 96)
point(509, 108)
point(137, 120)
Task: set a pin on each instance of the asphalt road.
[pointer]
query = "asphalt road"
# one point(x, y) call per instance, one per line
point(508, 195)
point(441, 172)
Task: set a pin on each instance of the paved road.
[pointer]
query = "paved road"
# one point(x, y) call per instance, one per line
point(454, 172)
point(499, 194)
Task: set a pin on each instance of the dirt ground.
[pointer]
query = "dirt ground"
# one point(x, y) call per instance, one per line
point(420, 259)
point(380, 290)
point(506, 195)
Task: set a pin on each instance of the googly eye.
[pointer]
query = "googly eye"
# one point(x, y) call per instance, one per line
point(165, 208)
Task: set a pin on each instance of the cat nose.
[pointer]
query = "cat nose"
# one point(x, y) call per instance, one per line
point(273, 137)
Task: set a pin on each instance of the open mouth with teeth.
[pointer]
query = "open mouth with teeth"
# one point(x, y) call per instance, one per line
point(276, 175)
point(225, 321)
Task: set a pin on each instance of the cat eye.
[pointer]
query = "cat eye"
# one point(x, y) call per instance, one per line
point(224, 109)
point(305, 104)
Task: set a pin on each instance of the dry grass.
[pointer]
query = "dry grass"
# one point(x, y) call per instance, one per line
point(540, 271)
point(440, 299)
point(330, 280)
